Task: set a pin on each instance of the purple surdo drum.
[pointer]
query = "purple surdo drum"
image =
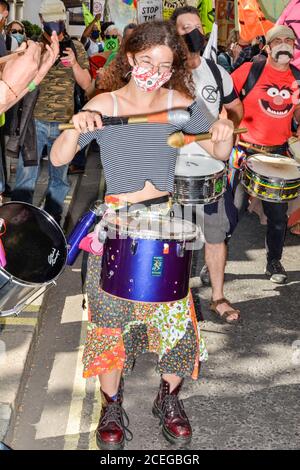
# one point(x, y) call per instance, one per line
point(147, 258)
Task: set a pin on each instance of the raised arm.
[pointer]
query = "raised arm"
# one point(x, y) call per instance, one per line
point(30, 68)
point(87, 32)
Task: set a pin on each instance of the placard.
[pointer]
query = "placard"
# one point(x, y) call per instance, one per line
point(170, 5)
point(149, 10)
point(98, 8)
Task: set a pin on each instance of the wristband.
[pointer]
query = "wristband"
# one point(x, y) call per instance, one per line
point(31, 86)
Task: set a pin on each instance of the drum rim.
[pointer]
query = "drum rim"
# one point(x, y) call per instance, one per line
point(51, 219)
point(202, 177)
point(206, 201)
point(114, 227)
point(276, 178)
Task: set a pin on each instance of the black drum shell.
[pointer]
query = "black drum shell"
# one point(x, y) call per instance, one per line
point(35, 249)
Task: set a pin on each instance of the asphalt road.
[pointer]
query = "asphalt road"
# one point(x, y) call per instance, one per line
point(248, 393)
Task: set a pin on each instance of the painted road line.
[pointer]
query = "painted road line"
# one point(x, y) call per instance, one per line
point(95, 417)
point(16, 321)
point(73, 429)
point(80, 384)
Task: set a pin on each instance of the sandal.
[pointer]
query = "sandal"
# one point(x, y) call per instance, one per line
point(224, 317)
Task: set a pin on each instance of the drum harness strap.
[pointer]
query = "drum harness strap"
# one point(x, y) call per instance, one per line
point(254, 74)
point(218, 78)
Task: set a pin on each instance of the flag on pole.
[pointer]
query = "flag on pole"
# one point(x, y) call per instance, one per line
point(252, 21)
point(88, 16)
point(291, 17)
point(272, 9)
point(210, 51)
point(206, 9)
point(132, 3)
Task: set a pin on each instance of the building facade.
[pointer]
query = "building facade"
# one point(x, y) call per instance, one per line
point(30, 12)
point(16, 9)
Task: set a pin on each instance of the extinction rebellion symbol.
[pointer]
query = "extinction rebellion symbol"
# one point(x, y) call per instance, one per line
point(210, 94)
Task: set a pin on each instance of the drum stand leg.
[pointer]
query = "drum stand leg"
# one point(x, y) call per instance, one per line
point(23, 304)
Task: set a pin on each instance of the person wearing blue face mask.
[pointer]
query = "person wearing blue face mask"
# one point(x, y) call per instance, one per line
point(15, 34)
point(91, 38)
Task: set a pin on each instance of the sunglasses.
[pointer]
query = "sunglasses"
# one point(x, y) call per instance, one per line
point(15, 31)
point(111, 36)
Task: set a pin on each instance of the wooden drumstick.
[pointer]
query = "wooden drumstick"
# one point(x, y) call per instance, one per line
point(251, 147)
point(173, 116)
point(179, 139)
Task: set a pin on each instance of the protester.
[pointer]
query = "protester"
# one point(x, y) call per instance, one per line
point(4, 12)
point(129, 28)
point(139, 168)
point(15, 35)
point(227, 56)
point(273, 99)
point(214, 87)
point(243, 53)
point(22, 74)
point(91, 38)
point(55, 104)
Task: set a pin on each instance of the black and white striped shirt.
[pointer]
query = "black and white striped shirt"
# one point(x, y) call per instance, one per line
point(135, 153)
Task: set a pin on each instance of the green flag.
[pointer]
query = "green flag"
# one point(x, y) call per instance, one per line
point(88, 16)
point(207, 14)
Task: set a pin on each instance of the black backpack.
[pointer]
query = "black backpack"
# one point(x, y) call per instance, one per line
point(254, 74)
point(218, 77)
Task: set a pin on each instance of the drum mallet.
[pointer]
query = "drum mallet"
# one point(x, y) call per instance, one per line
point(174, 116)
point(179, 139)
point(251, 147)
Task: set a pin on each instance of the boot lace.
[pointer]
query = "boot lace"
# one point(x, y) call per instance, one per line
point(171, 405)
point(115, 413)
point(277, 267)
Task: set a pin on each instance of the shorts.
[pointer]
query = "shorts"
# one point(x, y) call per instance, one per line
point(218, 219)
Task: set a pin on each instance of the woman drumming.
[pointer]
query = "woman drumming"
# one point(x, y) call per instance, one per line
point(149, 76)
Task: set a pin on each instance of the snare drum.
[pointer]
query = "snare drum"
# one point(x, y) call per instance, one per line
point(199, 179)
point(147, 258)
point(271, 178)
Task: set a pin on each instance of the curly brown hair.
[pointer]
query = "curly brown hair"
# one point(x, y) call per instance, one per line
point(145, 36)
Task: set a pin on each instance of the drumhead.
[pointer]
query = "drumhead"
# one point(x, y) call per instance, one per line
point(151, 226)
point(35, 246)
point(274, 166)
point(197, 165)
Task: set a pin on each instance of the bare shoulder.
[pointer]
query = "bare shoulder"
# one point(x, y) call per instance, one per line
point(180, 100)
point(102, 103)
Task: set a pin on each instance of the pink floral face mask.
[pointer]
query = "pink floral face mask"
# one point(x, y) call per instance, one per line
point(148, 80)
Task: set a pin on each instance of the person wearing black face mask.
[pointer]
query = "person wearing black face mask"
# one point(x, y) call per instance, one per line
point(195, 40)
point(214, 86)
point(91, 38)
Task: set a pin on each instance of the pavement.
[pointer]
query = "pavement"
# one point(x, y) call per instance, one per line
point(246, 398)
point(20, 333)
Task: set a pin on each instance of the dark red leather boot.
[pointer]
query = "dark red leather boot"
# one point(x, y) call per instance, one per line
point(112, 431)
point(175, 424)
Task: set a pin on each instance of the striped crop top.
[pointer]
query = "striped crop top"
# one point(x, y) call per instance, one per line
point(135, 153)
